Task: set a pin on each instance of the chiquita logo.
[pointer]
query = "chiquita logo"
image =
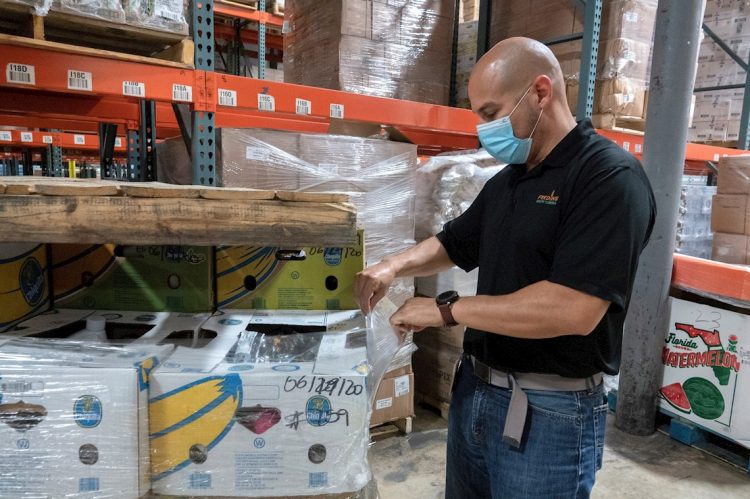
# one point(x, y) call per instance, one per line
point(31, 280)
point(550, 199)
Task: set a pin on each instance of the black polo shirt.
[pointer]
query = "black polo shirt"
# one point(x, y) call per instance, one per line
point(579, 219)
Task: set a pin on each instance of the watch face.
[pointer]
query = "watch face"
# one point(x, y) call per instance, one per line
point(446, 297)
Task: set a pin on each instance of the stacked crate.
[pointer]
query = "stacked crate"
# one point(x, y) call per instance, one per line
point(730, 213)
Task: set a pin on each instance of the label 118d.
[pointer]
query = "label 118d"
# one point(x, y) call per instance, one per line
point(20, 73)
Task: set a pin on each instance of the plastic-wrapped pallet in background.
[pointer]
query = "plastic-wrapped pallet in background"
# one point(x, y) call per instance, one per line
point(378, 174)
point(41, 7)
point(107, 10)
point(694, 235)
point(717, 113)
point(395, 48)
point(163, 15)
point(624, 60)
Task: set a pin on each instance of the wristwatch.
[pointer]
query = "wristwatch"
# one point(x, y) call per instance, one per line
point(444, 302)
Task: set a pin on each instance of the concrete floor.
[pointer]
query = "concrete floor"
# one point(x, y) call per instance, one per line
point(413, 466)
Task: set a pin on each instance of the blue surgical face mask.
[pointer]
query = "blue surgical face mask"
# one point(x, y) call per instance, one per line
point(498, 139)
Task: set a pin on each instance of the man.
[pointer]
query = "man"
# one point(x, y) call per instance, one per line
point(556, 236)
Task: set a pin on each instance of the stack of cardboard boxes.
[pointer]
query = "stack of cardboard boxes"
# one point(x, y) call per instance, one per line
point(730, 212)
point(388, 48)
point(717, 112)
point(466, 58)
point(627, 29)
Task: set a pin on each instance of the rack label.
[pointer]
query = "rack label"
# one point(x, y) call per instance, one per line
point(337, 111)
point(79, 139)
point(47, 139)
point(20, 73)
point(6, 136)
point(27, 137)
point(80, 80)
point(227, 97)
point(133, 89)
point(266, 102)
point(182, 93)
point(303, 106)
point(118, 142)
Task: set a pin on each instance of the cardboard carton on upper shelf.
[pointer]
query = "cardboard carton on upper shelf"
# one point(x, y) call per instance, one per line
point(146, 278)
point(24, 286)
point(729, 214)
point(271, 415)
point(734, 175)
point(731, 248)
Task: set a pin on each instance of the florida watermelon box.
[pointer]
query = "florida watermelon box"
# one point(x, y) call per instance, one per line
point(143, 278)
point(706, 357)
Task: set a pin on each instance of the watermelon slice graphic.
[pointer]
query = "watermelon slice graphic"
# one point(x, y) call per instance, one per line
point(675, 395)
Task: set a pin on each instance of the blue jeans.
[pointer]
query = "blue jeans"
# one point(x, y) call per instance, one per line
point(559, 454)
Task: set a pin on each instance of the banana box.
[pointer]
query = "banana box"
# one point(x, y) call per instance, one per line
point(254, 277)
point(142, 278)
point(284, 413)
point(24, 287)
point(74, 418)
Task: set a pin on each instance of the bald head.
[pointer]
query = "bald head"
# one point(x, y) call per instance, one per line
point(510, 67)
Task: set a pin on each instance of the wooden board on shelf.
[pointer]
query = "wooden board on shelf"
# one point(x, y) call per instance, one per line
point(229, 193)
point(93, 211)
point(401, 426)
point(77, 34)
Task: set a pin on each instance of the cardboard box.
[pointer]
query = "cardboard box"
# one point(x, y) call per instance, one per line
point(143, 278)
point(731, 248)
point(24, 286)
point(455, 279)
point(393, 400)
point(274, 278)
point(442, 336)
point(621, 97)
point(734, 175)
point(729, 213)
point(75, 417)
point(270, 414)
point(706, 361)
point(434, 369)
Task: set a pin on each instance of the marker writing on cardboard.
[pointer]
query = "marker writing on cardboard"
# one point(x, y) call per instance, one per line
point(322, 385)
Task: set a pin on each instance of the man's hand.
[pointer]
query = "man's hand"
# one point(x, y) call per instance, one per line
point(417, 314)
point(371, 285)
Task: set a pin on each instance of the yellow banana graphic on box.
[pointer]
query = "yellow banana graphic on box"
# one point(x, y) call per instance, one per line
point(235, 263)
point(23, 281)
point(76, 266)
point(186, 423)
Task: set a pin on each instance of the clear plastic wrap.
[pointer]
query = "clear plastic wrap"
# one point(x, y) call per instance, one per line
point(378, 174)
point(243, 404)
point(162, 15)
point(694, 235)
point(108, 10)
point(447, 184)
point(74, 418)
point(298, 387)
point(41, 7)
point(399, 49)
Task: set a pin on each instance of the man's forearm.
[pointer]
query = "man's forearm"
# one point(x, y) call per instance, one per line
point(427, 258)
point(542, 310)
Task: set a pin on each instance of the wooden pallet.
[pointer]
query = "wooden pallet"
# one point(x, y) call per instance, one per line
point(440, 406)
point(695, 436)
point(38, 209)
point(402, 426)
point(82, 35)
point(619, 123)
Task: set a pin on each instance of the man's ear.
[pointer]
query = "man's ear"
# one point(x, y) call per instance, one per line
point(543, 89)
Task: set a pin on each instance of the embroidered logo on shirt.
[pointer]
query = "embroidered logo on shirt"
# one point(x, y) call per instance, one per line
point(550, 199)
